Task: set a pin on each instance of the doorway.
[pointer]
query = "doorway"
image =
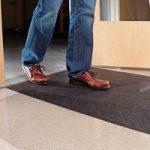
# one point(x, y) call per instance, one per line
point(16, 17)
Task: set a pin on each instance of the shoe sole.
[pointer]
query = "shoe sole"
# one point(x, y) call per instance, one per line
point(80, 83)
point(29, 78)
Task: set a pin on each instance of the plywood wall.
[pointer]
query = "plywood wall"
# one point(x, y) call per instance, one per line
point(125, 44)
point(1, 51)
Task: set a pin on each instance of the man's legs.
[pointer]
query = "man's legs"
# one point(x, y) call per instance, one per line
point(40, 32)
point(80, 46)
point(39, 36)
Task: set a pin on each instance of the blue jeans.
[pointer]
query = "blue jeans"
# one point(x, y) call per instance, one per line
point(80, 40)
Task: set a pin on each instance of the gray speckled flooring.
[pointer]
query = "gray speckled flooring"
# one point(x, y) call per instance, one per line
point(27, 123)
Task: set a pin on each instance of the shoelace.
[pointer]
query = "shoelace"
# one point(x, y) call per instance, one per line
point(93, 74)
point(40, 67)
point(43, 67)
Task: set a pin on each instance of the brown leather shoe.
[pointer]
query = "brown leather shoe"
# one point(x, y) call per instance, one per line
point(87, 78)
point(35, 74)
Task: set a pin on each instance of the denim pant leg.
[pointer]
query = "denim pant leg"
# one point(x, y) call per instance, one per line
point(80, 42)
point(40, 31)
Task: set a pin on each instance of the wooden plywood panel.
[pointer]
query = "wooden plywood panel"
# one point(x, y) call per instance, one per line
point(1, 51)
point(125, 44)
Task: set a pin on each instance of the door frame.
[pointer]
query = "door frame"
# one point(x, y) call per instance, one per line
point(1, 49)
point(110, 10)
